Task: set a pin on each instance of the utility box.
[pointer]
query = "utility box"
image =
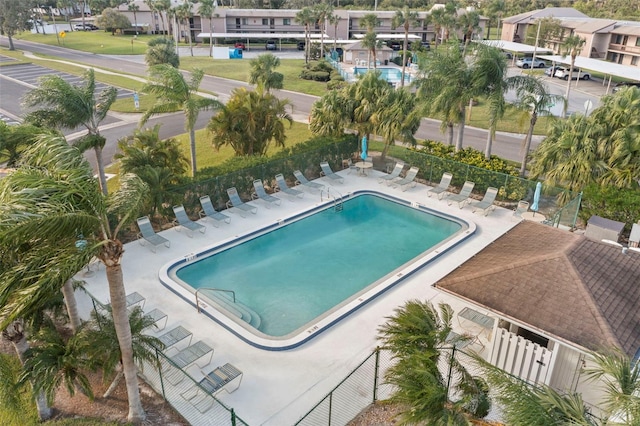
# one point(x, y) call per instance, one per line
point(221, 52)
point(599, 228)
point(235, 53)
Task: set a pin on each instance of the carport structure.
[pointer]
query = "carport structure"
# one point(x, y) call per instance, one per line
point(516, 48)
point(609, 69)
point(277, 36)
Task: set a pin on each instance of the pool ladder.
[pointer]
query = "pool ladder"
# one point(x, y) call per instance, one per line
point(337, 202)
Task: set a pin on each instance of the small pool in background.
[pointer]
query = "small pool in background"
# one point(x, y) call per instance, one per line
point(390, 74)
point(281, 285)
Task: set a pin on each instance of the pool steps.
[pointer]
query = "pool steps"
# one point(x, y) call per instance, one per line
point(236, 308)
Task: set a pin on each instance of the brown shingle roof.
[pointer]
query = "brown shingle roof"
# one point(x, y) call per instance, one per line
point(579, 290)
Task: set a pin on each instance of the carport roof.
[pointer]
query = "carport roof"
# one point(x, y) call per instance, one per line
point(605, 67)
point(511, 46)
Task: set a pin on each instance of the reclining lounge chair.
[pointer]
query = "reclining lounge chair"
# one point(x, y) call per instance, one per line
point(261, 194)
point(328, 173)
point(395, 174)
point(408, 180)
point(183, 220)
point(235, 204)
point(283, 187)
point(149, 235)
point(208, 211)
point(442, 187)
point(303, 181)
point(463, 196)
point(486, 204)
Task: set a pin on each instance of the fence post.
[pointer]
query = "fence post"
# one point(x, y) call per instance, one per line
point(450, 373)
point(160, 375)
point(375, 375)
point(233, 417)
point(330, 408)
point(577, 209)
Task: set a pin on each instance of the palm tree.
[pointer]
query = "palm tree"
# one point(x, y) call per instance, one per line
point(263, 75)
point(370, 21)
point(620, 376)
point(132, 7)
point(306, 17)
point(448, 89)
point(404, 18)
point(322, 12)
point(535, 101)
point(162, 50)
point(249, 122)
point(331, 114)
point(491, 75)
point(494, 11)
point(183, 15)
point(174, 92)
point(162, 6)
point(439, 18)
point(206, 10)
point(53, 198)
point(397, 118)
point(58, 104)
point(470, 23)
point(335, 20)
point(417, 336)
point(571, 46)
point(526, 405)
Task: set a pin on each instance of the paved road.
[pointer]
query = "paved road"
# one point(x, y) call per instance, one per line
point(505, 145)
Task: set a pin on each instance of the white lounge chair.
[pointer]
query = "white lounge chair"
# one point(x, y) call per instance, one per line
point(183, 221)
point(283, 187)
point(261, 194)
point(235, 204)
point(328, 173)
point(149, 235)
point(182, 359)
point(395, 173)
point(522, 207)
point(486, 204)
point(463, 196)
point(304, 182)
point(442, 187)
point(208, 211)
point(221, 378)
point(408, 180)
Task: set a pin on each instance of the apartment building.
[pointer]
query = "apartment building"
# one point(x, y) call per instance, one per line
point(613, 40)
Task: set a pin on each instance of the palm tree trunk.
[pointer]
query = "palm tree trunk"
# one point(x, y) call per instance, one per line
point(404, 55)
point(192, 143)
point(112, 254)
point(70, 303)
point(487, 148)
point(375, 65)
point(188, 27)
point(460, 130)
point(450, 133)
point(210, 38)
point(527, 144)
point(566, 95)
point(15, 334)
point(114, 384)
point(102, 177)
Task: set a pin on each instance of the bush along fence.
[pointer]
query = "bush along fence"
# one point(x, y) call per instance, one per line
point(559, 206)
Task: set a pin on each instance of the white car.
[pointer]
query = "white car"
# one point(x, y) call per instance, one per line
point(527, 63)
point(563, 73)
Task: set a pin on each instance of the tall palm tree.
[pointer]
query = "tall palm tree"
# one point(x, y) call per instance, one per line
point(417, 336)
point(331, 114)
point(263, 73)
point(162, 50)
point(397, 117)
point(450, 86)
point(469, 22)
point(571, 46)
point(534, 100)
point(163, 6)
point(132, 7)
point(174, 92)
point(439, 18)
point(183, 15)
point(49, 200)
point(335, 20)
point(405, 18)
point(59, 104)
point(307, 18)
point(206, 10)
point(370, 21)
point(494, 11)
point(249, 122)
point(322, 12)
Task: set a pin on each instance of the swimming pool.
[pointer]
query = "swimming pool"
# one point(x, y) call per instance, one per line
point(392, 75)
point(284, 284)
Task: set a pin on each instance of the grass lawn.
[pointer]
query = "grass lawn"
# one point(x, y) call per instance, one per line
point(94, 42)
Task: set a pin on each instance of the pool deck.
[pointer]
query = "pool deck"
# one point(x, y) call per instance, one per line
point(279, 387)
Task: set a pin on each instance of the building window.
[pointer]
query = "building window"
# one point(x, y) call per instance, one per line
point(634, 60)
point(286, 21)
point(637, 41)
point(245, 21)
point(265, 21)
point(618, 39)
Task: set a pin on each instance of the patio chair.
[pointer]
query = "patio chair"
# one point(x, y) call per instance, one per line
point(235, 204)
point(408, 180)
point(463, 196)
point(304, 182)
point(157, 316)
point(348, 164)
point(175, 336)
point(208, 211)
point(183, 221)
point(261, 194)
point(442, 187)
point(395, 173)
point(184, 358)
point(522, 207)
point(201, 395)
point(283, 187)
point(328, 173)
point(486, 204)
point(149, 235)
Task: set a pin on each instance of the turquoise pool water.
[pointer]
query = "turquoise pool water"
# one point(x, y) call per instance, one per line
point(297, 273)
point(392, 75)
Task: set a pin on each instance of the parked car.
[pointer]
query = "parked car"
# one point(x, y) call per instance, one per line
point(624, 84)
point(563, 73)
point(527, 63)
point(301, 45)
point(508, 55)
point(395, 45)
point(426, 45)
point(551, 71)
point(84, 27)
point(271, 45)
point(239, 45)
